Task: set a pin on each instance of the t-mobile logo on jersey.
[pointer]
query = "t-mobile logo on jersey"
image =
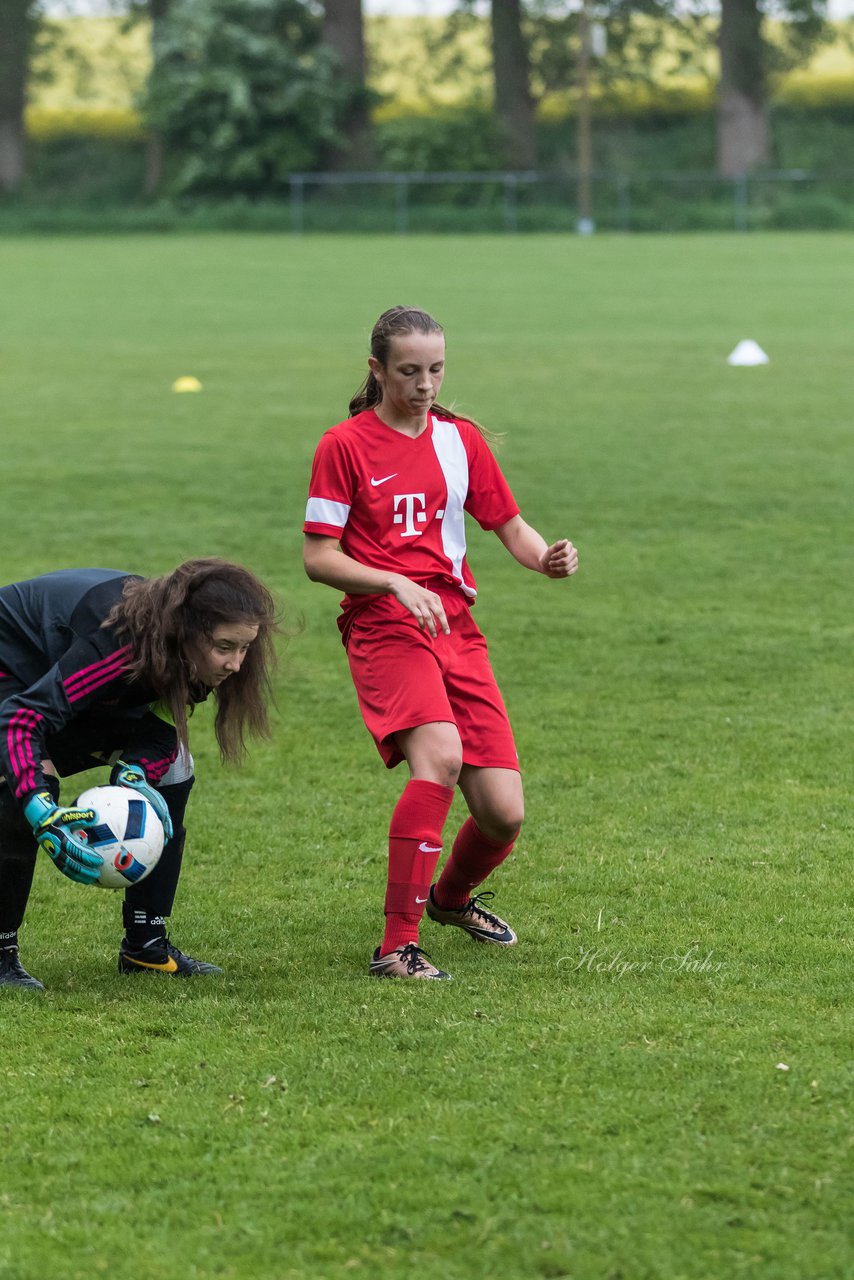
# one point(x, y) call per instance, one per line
point(409, 515)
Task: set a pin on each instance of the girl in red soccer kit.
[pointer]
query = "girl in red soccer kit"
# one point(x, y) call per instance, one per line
point(385, 524)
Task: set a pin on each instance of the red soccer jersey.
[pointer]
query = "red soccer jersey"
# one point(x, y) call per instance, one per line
point(397, 503)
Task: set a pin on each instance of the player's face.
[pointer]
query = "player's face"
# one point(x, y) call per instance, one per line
point(222, 656)
point(412, 375)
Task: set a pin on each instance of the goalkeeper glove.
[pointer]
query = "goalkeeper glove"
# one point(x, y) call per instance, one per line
point(52, 828)
point(133, 776)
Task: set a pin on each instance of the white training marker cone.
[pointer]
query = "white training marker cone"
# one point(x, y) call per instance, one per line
point(747, 352)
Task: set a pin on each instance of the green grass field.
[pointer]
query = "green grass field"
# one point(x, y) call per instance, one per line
point(607, 1101)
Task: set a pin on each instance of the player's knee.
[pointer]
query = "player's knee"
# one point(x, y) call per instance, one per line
point(453, 765)
point(176, 797)
point(446, 766)
point(446, 750)
point(438, 766)
point(504, 825)
point(434, 753)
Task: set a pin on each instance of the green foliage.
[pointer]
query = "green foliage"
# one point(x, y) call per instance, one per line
point(242, 93)
point(85, 171)
point(806, 28)
point(658, 204)
point(467, 138)
point(832, 95)
point(811, 141)
point(114, 124)
point(645, 41)
point(683, 716)
point(464, 129)
point(816, 210)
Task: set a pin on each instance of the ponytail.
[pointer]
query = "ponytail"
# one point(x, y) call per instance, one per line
point(368, 395)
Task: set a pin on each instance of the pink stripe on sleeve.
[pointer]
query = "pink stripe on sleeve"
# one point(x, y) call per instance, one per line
point(20, 747)
point(93, 677)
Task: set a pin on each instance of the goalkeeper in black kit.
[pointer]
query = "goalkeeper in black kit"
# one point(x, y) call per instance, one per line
point(101, 667)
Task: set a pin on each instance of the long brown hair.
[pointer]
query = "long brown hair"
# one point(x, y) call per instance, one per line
point(396, 323)
point(166, 620)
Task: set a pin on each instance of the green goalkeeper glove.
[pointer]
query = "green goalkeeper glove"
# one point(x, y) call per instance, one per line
point(52, 828)
point(133, 776)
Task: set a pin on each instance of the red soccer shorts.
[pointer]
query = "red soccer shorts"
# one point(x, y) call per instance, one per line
point(404, 677)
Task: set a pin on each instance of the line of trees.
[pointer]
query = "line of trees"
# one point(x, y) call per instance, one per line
point(259, 88)
point(546, 39)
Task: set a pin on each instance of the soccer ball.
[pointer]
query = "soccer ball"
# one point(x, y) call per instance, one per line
point(129, 837)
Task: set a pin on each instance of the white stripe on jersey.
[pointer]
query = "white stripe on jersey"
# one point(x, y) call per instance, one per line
point(324, 511)
point(454, 462)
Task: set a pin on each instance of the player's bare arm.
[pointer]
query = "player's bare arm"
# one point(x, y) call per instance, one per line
point(558, 560)
point(325, 562)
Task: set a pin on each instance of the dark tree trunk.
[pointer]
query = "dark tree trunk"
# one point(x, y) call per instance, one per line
point(743, 138)
point(513, 102)
point(157, 9)
point(17, 28)
point(343, 31)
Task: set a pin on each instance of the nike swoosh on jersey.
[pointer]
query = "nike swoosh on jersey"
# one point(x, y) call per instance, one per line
point(170, 966)
point(424, 847)
point(383, 479)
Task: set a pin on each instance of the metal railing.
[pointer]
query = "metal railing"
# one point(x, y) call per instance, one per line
point(519, 201)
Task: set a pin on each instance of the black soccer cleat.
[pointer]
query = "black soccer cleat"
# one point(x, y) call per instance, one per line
point(160, 956)
point(13, 973)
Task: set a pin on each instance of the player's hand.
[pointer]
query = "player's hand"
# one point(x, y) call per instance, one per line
point(52, 828)
point(559, 560)
point(425, 606)
point(133, 776)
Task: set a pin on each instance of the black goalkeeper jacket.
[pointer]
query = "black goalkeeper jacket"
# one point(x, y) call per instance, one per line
point(65, 692)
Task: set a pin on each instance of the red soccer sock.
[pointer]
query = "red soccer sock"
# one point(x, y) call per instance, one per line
point(473, 857)
point(414, 845)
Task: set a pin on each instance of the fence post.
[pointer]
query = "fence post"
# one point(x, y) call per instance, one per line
point(740, 195)
point(511, 219)
point(624, 202)
point(401, 215)
point(297, 186)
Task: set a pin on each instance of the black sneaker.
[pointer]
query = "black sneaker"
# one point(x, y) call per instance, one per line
point(13, 973)
point(405, 962)
point(480, 924)
point(160, 956)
